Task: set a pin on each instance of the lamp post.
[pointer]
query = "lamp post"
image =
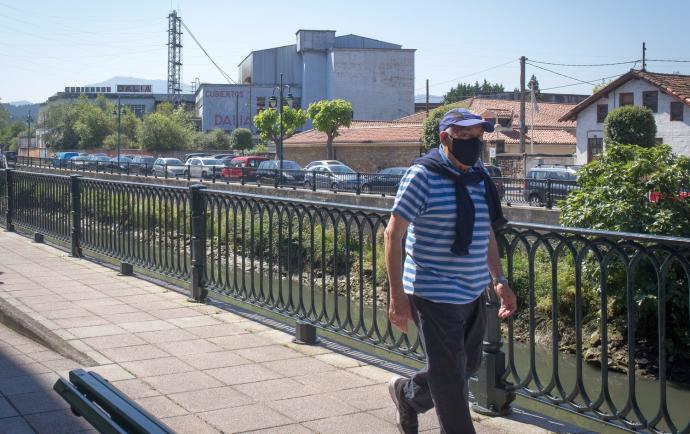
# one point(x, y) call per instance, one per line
point(29, 119)
point(119, 115)
point(272, 103)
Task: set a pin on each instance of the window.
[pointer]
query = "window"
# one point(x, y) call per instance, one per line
point(602, 111)
point(676, 111)
point(595, 146)
point(137, 109)
point(659, 140)
point(505, 122)
point(626, 98)
point(650, 99)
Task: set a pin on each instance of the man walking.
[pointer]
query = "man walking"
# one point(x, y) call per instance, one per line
point(447, 206)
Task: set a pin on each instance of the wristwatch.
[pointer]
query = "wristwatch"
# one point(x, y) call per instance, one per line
point(499, 279)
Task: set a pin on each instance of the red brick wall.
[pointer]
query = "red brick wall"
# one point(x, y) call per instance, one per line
point(365, 157)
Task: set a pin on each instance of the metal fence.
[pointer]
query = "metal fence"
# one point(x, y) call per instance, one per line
point(518, 191)
point(603, 327)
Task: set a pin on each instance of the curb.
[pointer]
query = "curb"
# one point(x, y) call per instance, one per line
point(23, 324)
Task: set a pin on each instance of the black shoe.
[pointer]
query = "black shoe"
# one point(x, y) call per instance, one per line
point(406, 419)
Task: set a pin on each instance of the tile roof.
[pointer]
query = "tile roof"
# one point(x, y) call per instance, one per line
point(548, 115)
point(548, 130)
point(365, 132)
point(676, 85)
point(550, 136)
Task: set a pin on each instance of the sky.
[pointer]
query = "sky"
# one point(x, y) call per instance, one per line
point(47, 45)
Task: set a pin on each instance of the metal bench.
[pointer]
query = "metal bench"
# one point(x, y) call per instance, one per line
point(105, 407)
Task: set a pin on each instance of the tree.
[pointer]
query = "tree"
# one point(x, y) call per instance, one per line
point(215, 139)
point(159, 132)
point(615, 191)
point(633, 125)
point(328, 116)
point(600, 86)
point(430, 137)
point(268, 125)
point(241, 139)
point(93, 124)
point(466, 90)
point(129, 124)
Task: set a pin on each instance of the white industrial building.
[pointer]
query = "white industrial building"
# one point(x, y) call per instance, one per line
point(667, 95)
point(376, 77)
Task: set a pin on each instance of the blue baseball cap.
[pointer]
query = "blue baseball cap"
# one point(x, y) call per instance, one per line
point(463, 118)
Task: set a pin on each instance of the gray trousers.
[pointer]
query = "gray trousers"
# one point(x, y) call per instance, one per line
point(452, 336)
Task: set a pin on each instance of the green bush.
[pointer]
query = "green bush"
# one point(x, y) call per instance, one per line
point(632, 125)
point(430, 137)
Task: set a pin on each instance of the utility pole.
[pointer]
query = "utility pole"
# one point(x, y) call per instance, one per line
point(28, 121)
point(427, 97)
point(523, 127)
point(644, 56)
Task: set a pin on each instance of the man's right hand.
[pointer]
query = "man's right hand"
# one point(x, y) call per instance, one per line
point(400, 311)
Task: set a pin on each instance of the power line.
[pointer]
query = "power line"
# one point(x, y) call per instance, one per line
point(562, 75)
point(580, 84)
point(668, 60)
point(470, 75)
point(584, 64)
point(226, 76)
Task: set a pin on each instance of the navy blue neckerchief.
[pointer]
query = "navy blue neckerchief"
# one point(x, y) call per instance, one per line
point(464, 222)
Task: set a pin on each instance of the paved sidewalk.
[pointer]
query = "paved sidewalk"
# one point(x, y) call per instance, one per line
point(196, 367)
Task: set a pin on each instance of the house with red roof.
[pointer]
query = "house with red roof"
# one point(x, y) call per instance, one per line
point(370, 145)
point(667, 95)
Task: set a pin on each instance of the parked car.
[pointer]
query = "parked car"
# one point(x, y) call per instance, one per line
point(562, 180)
point(385, 181)
point(99, 162)
point(79, 161)
point(61, 158)
point(172, 166)
point(292, 173)
point(496, 174)
point(332, 176)
point(250, 164)
point(196, 154)
point(122, 165)
point(203, 167)
point(3, 162)
point(142, 164)
point(324, 163)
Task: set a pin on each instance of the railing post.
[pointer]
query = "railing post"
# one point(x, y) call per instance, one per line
point(75, 198)
point(358, 186)
point(276, 181)
point(198, 242)
point(549, 197)
point(489, 390)
point(242, 175)
point(313, 180)
point(9, 183)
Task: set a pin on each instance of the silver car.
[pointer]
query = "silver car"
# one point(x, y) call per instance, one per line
point(203, 167)
point(173, 166)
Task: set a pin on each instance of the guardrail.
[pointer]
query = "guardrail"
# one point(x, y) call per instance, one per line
point(617, 300)
point(519, 191)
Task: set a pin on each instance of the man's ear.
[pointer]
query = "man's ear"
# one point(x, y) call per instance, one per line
point(443, 135)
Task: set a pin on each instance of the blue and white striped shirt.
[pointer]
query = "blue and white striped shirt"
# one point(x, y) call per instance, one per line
point(427, 200)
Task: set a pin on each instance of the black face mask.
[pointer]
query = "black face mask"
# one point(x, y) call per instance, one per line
point(467, 151)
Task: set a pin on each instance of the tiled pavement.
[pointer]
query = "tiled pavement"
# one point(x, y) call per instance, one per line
point(196, 367)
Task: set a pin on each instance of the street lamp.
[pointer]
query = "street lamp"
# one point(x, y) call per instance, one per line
point(29, 119)
point(272, 103)
point(119, 115)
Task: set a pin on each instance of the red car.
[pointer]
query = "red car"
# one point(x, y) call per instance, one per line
point(234, 170)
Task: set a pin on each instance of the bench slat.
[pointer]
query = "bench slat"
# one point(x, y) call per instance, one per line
point(83, 407)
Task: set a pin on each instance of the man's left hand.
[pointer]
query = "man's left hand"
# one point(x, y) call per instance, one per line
point(508, 300)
